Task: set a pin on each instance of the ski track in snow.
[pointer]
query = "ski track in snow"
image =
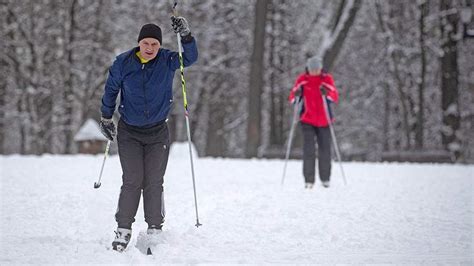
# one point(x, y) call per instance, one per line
point(388, 213)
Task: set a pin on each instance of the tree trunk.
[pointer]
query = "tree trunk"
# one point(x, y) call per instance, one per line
point(449, 80)
point(403, 100)
point(341, 29)
point(276, 59)
point(419, 129)
point(3, 87)
point(386, 117)
point(215, 141)
point(256, 80)
point(69, 95)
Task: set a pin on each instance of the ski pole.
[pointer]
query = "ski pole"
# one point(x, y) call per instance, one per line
point(333, 136)
point(106, 153)
point(290, 137)
point(186, 114)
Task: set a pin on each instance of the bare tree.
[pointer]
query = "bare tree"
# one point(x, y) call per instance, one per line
point(449, 77)
point(256, 80)
point(343, 20)
point(403, 79)
point(53, 63)
point(419, 127)
point(406, 64)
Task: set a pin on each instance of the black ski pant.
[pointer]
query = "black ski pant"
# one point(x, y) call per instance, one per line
point(144, 156)
point(323, 136)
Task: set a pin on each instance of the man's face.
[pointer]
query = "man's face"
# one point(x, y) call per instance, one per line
point(149, 48)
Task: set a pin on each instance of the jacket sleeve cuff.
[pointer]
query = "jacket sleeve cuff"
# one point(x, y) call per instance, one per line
point(106, 116)
point(187, 39)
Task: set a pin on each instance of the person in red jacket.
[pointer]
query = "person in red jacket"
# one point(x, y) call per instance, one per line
point(312, 87)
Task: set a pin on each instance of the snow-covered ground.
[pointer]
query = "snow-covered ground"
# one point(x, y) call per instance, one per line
point(388, 213)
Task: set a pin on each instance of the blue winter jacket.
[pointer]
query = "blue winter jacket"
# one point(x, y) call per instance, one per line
point(146, 89)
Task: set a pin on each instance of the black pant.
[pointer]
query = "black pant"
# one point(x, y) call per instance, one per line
point(323, 135)
point(144, 156)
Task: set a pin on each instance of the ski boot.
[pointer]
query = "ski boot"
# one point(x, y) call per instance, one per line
point(153, 229)
point(122, 237)
point(326, 184)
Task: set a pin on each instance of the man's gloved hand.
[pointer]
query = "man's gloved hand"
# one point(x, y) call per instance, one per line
point(107, 127)
point(180, 25)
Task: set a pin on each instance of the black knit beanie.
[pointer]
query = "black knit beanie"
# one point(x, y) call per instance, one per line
point(150, 31)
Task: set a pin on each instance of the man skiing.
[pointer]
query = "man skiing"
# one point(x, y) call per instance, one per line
point(144, 77)
point(311, 86)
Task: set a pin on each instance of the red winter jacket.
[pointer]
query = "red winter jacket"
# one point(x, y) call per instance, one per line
point(313, 109)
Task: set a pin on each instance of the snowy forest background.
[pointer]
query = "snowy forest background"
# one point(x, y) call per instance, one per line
point(404, 71)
